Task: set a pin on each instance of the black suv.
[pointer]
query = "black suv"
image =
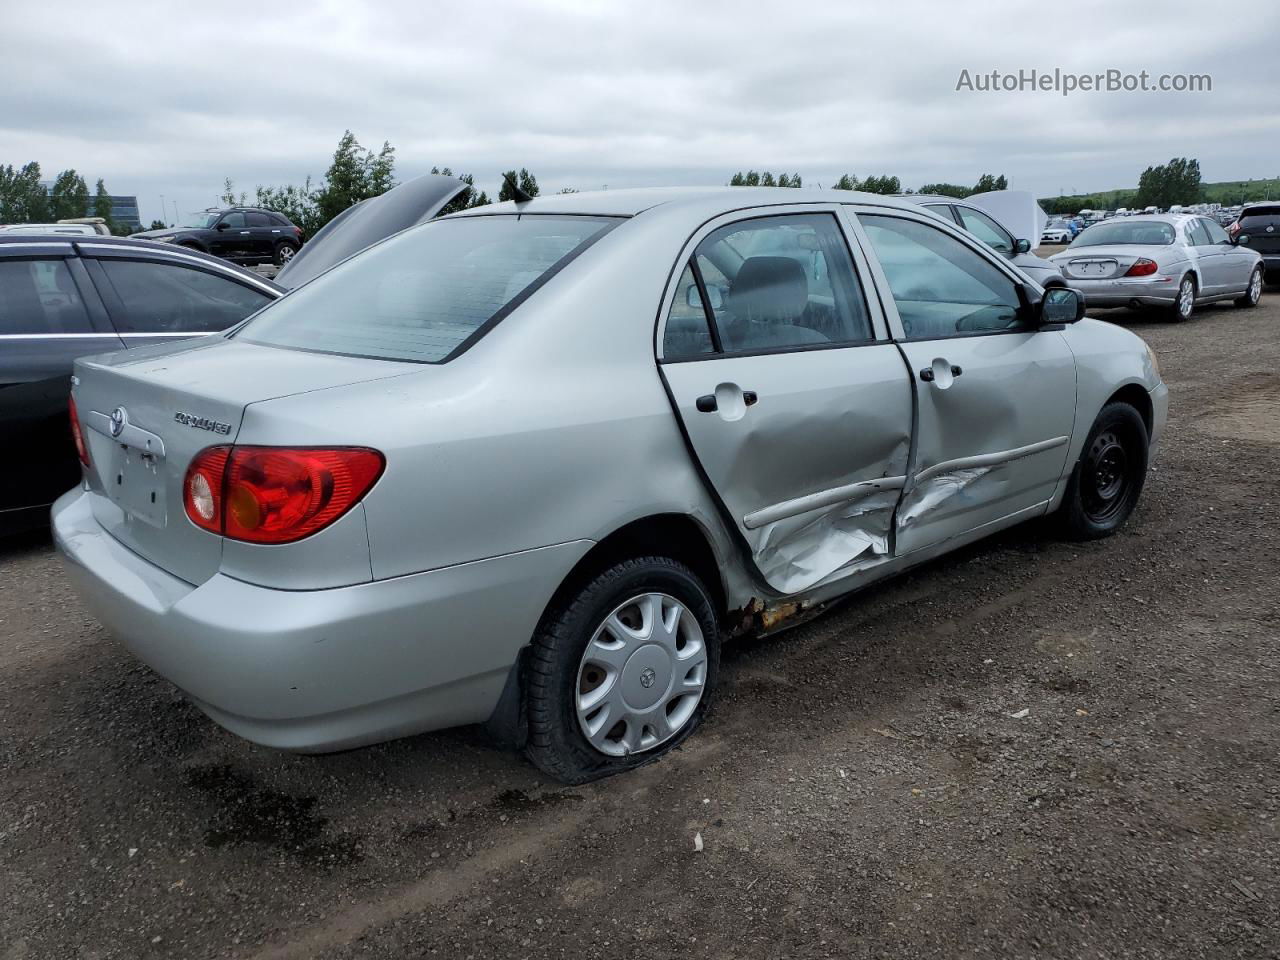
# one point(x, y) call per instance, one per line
point(1259, 229)
point(240, 234)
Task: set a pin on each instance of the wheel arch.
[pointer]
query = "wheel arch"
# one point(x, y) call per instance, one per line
point(677, 536)
point(1136, 396)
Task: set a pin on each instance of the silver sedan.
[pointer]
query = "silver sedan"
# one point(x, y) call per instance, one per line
point(1170, 262)
point(530, 465)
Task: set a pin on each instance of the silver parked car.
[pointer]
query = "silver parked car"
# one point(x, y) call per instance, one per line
point(532, 463)
point(1171, 262)
point(1008, 221)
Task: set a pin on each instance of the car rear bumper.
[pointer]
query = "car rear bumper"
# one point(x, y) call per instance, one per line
point(1122, 291)
point(320, 670)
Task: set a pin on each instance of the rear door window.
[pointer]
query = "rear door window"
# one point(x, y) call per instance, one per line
point(40, 297)
point(986, 230)
point(258, 219)
point(164, 298)
point(430, 292)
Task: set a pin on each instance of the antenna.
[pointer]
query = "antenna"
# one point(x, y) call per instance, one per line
point(518, 195)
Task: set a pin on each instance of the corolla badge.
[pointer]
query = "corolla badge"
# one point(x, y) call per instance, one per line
point(119, 419)
point(201, 423)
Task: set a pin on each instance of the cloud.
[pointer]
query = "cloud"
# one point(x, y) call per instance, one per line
point(162, 98)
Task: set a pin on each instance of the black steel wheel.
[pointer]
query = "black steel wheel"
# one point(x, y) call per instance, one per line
point(1107, 479)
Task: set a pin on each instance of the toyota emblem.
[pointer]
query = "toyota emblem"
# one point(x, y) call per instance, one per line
point(118, 420)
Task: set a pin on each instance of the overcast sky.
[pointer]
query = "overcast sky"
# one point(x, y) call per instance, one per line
point(167, 98)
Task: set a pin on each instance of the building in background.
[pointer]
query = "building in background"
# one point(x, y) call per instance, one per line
point(124, 212)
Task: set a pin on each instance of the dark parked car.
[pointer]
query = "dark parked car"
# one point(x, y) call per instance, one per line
point(67, 297)
point(1259, 229)
point(241, 234)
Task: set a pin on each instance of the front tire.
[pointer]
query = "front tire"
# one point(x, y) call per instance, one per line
point(1107, 479)
point(621, 671)
point(1253, 292)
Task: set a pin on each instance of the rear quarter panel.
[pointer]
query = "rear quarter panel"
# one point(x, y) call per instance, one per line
point(555, 427)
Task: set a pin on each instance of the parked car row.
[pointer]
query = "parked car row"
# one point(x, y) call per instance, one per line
point(530, 463)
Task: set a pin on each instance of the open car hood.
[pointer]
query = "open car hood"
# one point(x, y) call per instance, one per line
point(367, 222)
point(1017, 211)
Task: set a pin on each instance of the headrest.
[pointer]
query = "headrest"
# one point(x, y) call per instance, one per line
point(768, 289)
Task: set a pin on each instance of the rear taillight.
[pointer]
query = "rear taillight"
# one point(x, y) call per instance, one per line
point(82, 451)
point(276, 494)
point(1142, 267)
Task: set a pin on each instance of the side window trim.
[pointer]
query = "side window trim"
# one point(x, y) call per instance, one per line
point(117, 311)
point(885, 294)
point(717, 349)
point(877, 317)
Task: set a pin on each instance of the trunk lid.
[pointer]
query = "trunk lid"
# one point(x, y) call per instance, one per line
point(1102, 262)
point(146, 413)
point(369, 221)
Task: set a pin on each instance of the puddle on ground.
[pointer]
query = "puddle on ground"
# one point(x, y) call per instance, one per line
point(245, 813)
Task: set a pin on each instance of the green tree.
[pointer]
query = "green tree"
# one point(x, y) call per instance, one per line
point(526, 180)
point(296, 203)
point(22, 198)
point(946, 190)
point(884, 185)
point(1177, 181)
point(846, 182)
point(229, 198)
point(986, 183)
point(69, 197)
point(102, 206)
point(157, 225)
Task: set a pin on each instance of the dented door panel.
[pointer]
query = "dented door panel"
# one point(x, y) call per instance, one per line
point(992, 441)
point(811, 471)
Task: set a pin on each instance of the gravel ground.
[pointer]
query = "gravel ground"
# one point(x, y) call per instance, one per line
point(863, 788)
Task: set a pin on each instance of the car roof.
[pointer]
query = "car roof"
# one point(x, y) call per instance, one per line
point(710, 201)
point(19, 244)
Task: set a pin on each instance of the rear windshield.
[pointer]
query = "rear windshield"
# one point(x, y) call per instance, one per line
point(1139, 232)
point(1260, 214)
point(426, 294)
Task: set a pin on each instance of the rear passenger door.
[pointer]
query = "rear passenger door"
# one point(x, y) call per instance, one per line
point(995, 395)
point(48, 317)
point(263, 232)
point(152, 300)
point(796, 404)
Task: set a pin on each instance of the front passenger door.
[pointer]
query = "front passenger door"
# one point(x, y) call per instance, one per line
point(996, 397)
point(230, 236)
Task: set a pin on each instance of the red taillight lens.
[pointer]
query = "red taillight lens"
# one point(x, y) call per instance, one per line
point(1142, 267)
point(276, 494)
point(82, 451)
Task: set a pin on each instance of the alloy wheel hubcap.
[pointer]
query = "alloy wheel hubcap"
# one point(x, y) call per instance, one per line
point(1255, 287)
point(286, 254)
point(642, 675)
point(1185, 296)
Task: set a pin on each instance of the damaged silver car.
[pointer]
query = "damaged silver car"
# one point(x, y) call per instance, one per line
point(531, 464)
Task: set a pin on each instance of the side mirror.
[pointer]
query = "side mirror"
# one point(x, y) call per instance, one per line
point(1240, 238)
point(222, 225)
point(1021, 246)
point(1061, 305)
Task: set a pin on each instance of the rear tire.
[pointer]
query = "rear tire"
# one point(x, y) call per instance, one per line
point(638, 692)
point(1184, 306)
point(1107, 479)
point(284, 252)
point(1253, 292)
